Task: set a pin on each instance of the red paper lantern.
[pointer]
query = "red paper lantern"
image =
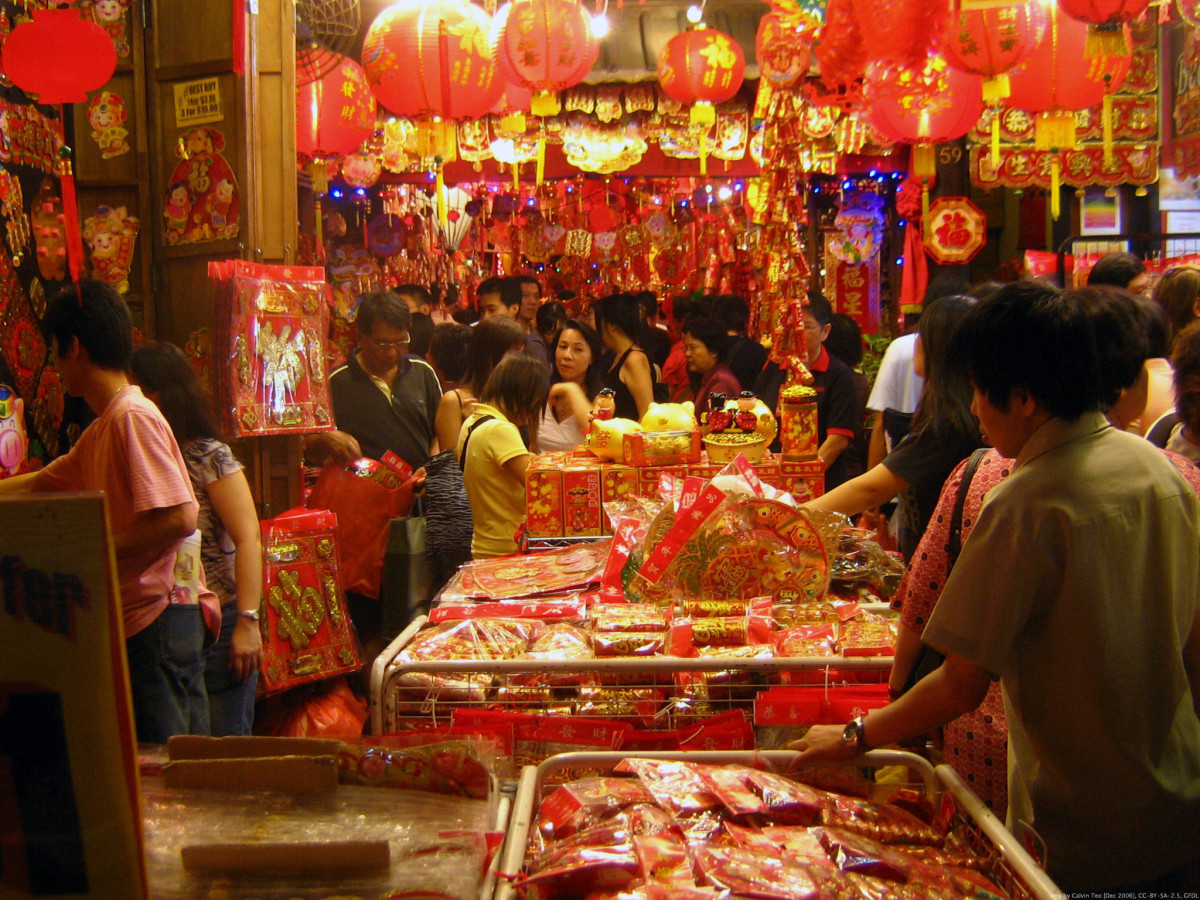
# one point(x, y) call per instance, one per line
point(928, 106)
point(544, 46)
point(1106, 20)
point(899, 32)
point(59, 56)
point(992, 41)
point(431, 57)
point(1058, 77)
point(782, 50)
point(335, 113)
point(703, 67)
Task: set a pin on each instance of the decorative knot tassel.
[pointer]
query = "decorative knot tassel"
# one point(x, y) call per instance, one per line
point(1055, 185)
point(1106, 121)
point(996, 88)
point(1106, 39)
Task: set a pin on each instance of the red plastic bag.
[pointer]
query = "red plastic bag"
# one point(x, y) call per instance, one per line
point(364, 508)
point(335, 713)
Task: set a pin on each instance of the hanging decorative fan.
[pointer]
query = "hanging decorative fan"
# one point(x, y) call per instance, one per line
point(325, 29)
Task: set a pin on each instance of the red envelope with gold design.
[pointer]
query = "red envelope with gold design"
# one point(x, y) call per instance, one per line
point(305, 625)
point(269, 343)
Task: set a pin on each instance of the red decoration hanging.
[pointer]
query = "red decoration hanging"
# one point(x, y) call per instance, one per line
point(1057, 77)
point(929, 105)
point(992, 41)
point(544, 46)
point(701, 65)
point(36, 53)
point(782, 50)
point(335, 113)
point(432, 58)
point(1106, 22)
point(841, 53)
point(899, 32)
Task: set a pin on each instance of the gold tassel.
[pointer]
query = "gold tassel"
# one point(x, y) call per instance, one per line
point(1055, 185)
point(541, 156)
point(704, 153)
point(703, 113)
point(924, 161)
point(1106, 120)
point(545, 103)
point(996, 138)
point(1106, 39)
point(320, 229)
point(1055, 130)
point(440, 186)
point(996, 88)
point(925, 208)
point(513, 123)
point(516, 169)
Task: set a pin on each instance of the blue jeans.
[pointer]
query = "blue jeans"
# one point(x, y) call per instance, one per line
point(166, 675)
point(230, 702)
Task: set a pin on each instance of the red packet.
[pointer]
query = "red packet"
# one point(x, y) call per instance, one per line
point(306, 628)
point(396, 464)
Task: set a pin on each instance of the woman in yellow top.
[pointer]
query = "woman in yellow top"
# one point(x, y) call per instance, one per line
point(493, 456)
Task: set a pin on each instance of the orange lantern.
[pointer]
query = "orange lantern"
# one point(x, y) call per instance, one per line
point(782, 50)
point(703, 67)
point(1106, 22)
point(545, 46)
point(991, 41)
point(432, 58)
point(335, 113)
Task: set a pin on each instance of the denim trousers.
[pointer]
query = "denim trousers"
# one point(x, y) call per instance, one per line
point(166, 675)
point(230, 702)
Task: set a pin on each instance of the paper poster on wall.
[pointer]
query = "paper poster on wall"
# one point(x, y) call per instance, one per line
point(70, 820)
point(197, 102)
point(1100, 212)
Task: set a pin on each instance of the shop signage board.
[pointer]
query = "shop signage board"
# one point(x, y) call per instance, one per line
point(197, 102)
point(70, 821)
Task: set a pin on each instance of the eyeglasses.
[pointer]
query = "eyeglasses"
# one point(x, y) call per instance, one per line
point(390, 345)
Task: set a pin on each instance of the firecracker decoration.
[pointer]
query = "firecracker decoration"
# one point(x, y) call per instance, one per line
point(957, 230)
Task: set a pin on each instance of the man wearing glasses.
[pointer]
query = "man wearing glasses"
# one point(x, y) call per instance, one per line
point(383, 399)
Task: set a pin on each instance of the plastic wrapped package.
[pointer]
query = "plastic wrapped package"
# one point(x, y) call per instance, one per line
point(536, 574)
point(432, 839)
point(435, 763)
point(861, 561)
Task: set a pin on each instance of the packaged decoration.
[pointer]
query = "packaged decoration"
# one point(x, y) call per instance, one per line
point(798, 434)
point(269, 333)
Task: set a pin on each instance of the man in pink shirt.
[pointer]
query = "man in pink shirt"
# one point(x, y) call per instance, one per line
point(128, 452)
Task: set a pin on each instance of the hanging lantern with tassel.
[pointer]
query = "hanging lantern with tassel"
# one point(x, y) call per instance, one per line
point(701, 67)
point(544, 46)
point(1106, 21)
point(990, 42)
point(1056, 81)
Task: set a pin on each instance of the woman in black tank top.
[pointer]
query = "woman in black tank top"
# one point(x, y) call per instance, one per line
point(630, 377)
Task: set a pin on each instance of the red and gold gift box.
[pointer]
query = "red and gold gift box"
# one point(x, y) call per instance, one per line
point(616, 483)
point(582, 515)
point(305, 625)
point(798, 423)
point(803, 480)
point(648, 478)
point(662, 448)
point(544, 498)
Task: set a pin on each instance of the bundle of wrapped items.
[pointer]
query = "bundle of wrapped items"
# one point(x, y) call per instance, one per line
point(686, 830)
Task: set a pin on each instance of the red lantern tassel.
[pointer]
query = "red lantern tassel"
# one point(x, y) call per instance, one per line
point(70, 205)
point(239, 37)
point(1106, 120)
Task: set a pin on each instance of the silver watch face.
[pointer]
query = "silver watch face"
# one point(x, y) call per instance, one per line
point(851, 732)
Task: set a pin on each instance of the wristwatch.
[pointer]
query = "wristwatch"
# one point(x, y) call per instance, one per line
point(251, 614)
point(855, 733)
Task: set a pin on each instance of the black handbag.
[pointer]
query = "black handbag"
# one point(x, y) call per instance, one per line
point(929, 659)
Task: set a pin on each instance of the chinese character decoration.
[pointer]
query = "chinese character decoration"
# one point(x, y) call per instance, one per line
point(991, 42)
point(701, 67)
point(957, 230)
point(1056, 81)
point(336, 113)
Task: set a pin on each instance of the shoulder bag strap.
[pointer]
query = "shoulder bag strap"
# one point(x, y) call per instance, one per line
point(960, 499)
point(462, 460)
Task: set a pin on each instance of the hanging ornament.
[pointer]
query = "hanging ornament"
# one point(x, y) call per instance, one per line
point(1106, 23)
point(929, 105)
point(841, 52)
point(34, 56)
point(361, 169)
point(782, 50)
point(702, 67)
point(898, 32)
point(432, 58)
point(336, 113)
point(544, 46)
point(991, 41)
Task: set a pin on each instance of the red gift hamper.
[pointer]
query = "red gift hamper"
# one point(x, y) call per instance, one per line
point(305, 627)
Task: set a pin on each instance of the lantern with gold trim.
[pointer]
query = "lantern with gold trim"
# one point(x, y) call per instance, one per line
point(432, 58)
point(1106, 23)
point(1057, 80)
point(991, 41)
point(924, 107)
point(703, 67)
point(544, 46)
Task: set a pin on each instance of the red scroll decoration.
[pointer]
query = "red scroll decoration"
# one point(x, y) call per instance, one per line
point(306, 628)
point(853, 289)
